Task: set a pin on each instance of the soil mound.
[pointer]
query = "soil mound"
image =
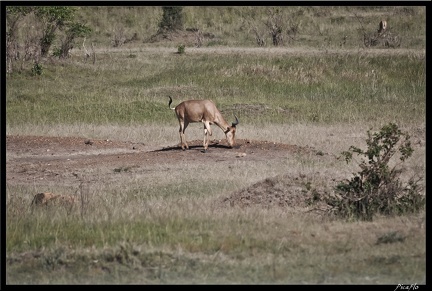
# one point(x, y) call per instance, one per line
point(282, 191)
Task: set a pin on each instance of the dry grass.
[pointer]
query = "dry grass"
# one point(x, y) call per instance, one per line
point(168, 224)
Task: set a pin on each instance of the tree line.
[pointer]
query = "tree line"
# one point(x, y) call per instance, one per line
point(37, 41)
point(31, 32)
point(39, 38)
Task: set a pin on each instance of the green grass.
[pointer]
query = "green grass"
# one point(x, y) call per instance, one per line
point(322, 88)
point(319, 87)
point(229, 247)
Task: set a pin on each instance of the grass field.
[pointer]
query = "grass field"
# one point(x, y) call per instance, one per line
point(160, 226)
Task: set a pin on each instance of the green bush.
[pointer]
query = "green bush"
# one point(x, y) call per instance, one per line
point(377, 188)
point(37, 69)
point(181, 49)
point(56, 52)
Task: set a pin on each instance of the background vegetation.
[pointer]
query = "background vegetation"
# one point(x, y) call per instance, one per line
point(319, 87)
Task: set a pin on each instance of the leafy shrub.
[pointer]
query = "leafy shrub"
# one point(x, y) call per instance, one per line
point(37, 69)
point(56, 52)
point(181, 49)
point(377, 189)
point(387, 40)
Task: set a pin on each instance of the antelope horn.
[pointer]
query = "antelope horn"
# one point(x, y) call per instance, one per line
point(236, 122)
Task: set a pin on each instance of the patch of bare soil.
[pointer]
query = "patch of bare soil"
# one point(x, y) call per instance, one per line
point(41, 159)
point(283, 191)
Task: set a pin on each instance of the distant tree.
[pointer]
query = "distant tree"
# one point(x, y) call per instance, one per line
point(13, 15)
point(275, 24)
point(52, 18)
point(45, 23)
point(74, 30)
point(172, 19)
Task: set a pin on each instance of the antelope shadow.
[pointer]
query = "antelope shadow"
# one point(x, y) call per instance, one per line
point(194, 147)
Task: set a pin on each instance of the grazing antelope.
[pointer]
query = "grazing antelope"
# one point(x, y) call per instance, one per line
point(382, 26)
point(204, 111)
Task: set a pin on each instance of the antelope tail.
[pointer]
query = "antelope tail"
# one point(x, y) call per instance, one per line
point(169, 103)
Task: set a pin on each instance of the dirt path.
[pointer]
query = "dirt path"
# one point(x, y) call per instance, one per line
point(32, 158)
point(292, 51)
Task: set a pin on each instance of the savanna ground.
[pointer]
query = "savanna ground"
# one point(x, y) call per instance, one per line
point(40, 159)
point(150, 213)
point(37, 160)
point(310, 248)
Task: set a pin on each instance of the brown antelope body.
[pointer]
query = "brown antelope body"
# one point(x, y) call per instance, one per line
point(204, 111)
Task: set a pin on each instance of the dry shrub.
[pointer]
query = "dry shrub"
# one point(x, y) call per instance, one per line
point(49, 199)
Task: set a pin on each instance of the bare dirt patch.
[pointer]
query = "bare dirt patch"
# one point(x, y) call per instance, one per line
point(36, 160)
